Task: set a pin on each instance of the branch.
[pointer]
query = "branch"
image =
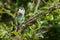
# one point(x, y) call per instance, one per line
point(37, 5)
point(38, 15)
point(41, 14)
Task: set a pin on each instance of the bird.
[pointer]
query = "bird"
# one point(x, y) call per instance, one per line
point(19, 19)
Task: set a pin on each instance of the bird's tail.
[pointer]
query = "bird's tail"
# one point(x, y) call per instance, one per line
point(19, 27)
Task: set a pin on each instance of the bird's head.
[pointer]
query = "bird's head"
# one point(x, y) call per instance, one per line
point(21, 11)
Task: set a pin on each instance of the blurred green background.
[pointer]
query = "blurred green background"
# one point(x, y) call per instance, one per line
point(46, 27)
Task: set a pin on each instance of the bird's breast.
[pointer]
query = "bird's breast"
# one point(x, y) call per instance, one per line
point(20, 19)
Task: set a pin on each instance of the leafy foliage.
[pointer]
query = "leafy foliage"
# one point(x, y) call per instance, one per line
point(46, 26)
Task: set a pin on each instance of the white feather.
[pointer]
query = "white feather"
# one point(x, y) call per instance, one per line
point(21, 11)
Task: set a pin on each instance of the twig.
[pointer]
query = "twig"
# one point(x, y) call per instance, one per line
point(39, 15)
point(36, 8)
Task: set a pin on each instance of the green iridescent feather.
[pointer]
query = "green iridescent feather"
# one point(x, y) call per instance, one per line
point(20, 19)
